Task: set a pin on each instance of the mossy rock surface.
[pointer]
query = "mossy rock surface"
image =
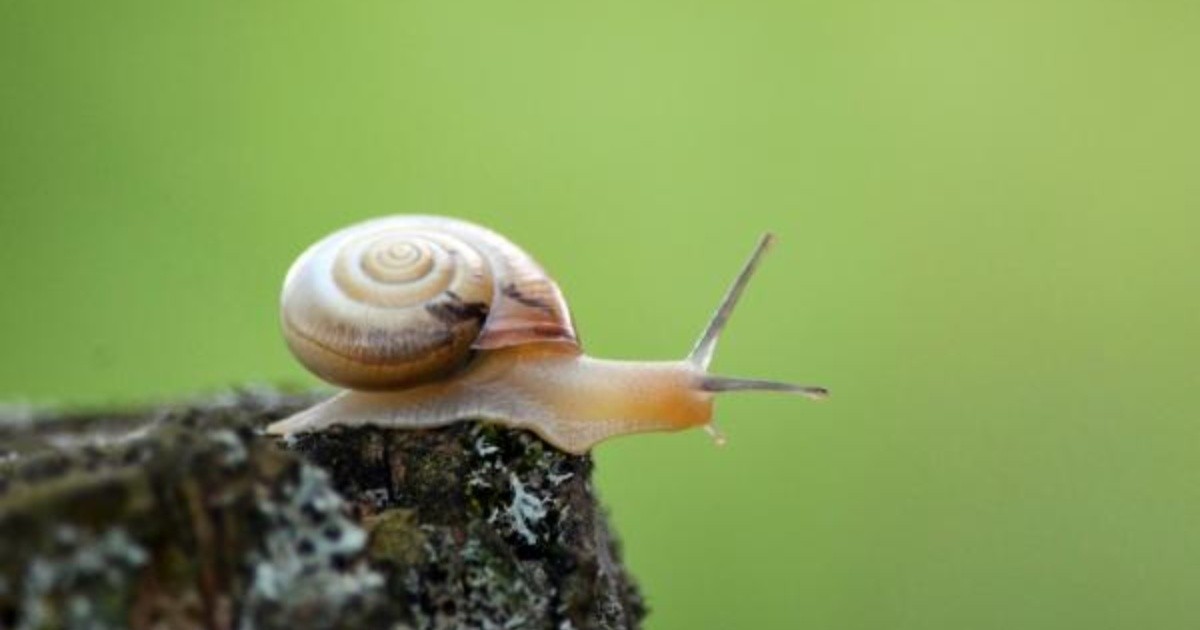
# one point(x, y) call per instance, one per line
point(189, 517)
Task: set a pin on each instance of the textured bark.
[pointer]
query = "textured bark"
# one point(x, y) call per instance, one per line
point(188, 517)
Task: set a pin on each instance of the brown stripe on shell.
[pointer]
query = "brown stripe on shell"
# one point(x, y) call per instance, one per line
point(539, 333)
point(453, 311)
point(511, 290)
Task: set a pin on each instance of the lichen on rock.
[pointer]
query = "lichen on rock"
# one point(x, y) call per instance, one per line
point(78, 581)
point(189, 517)
point(507, 530)
point(307, 569)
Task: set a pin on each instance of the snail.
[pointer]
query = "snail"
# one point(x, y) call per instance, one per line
point(428, 320)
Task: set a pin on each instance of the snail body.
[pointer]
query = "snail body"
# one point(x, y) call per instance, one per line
point(430, 320)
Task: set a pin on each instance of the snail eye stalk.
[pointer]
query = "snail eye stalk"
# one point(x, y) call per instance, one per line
point(702, 354)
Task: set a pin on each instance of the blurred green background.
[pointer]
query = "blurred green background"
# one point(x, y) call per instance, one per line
point(988, 213)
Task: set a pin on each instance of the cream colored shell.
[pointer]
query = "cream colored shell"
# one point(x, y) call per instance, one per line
point(405, 299)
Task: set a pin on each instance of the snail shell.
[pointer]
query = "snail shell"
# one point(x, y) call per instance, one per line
point(406, 299)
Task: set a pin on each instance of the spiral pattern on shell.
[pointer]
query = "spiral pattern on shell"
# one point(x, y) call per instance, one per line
point(403, 299)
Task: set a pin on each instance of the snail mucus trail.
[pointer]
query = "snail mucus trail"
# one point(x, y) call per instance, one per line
point(430, 320)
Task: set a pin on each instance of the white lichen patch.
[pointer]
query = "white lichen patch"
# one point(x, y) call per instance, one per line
point(491, 593)
point(483, 448)
point(67, 440)
point(524, 512)
point(87, 567)
point(481, 475)
point(310, 537)
point(558, 479)
point(378, 497)
point(234, 452)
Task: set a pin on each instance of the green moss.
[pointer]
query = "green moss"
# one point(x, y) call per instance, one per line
point(395, 537)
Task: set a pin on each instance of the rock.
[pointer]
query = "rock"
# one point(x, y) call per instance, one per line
point(188, 517)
